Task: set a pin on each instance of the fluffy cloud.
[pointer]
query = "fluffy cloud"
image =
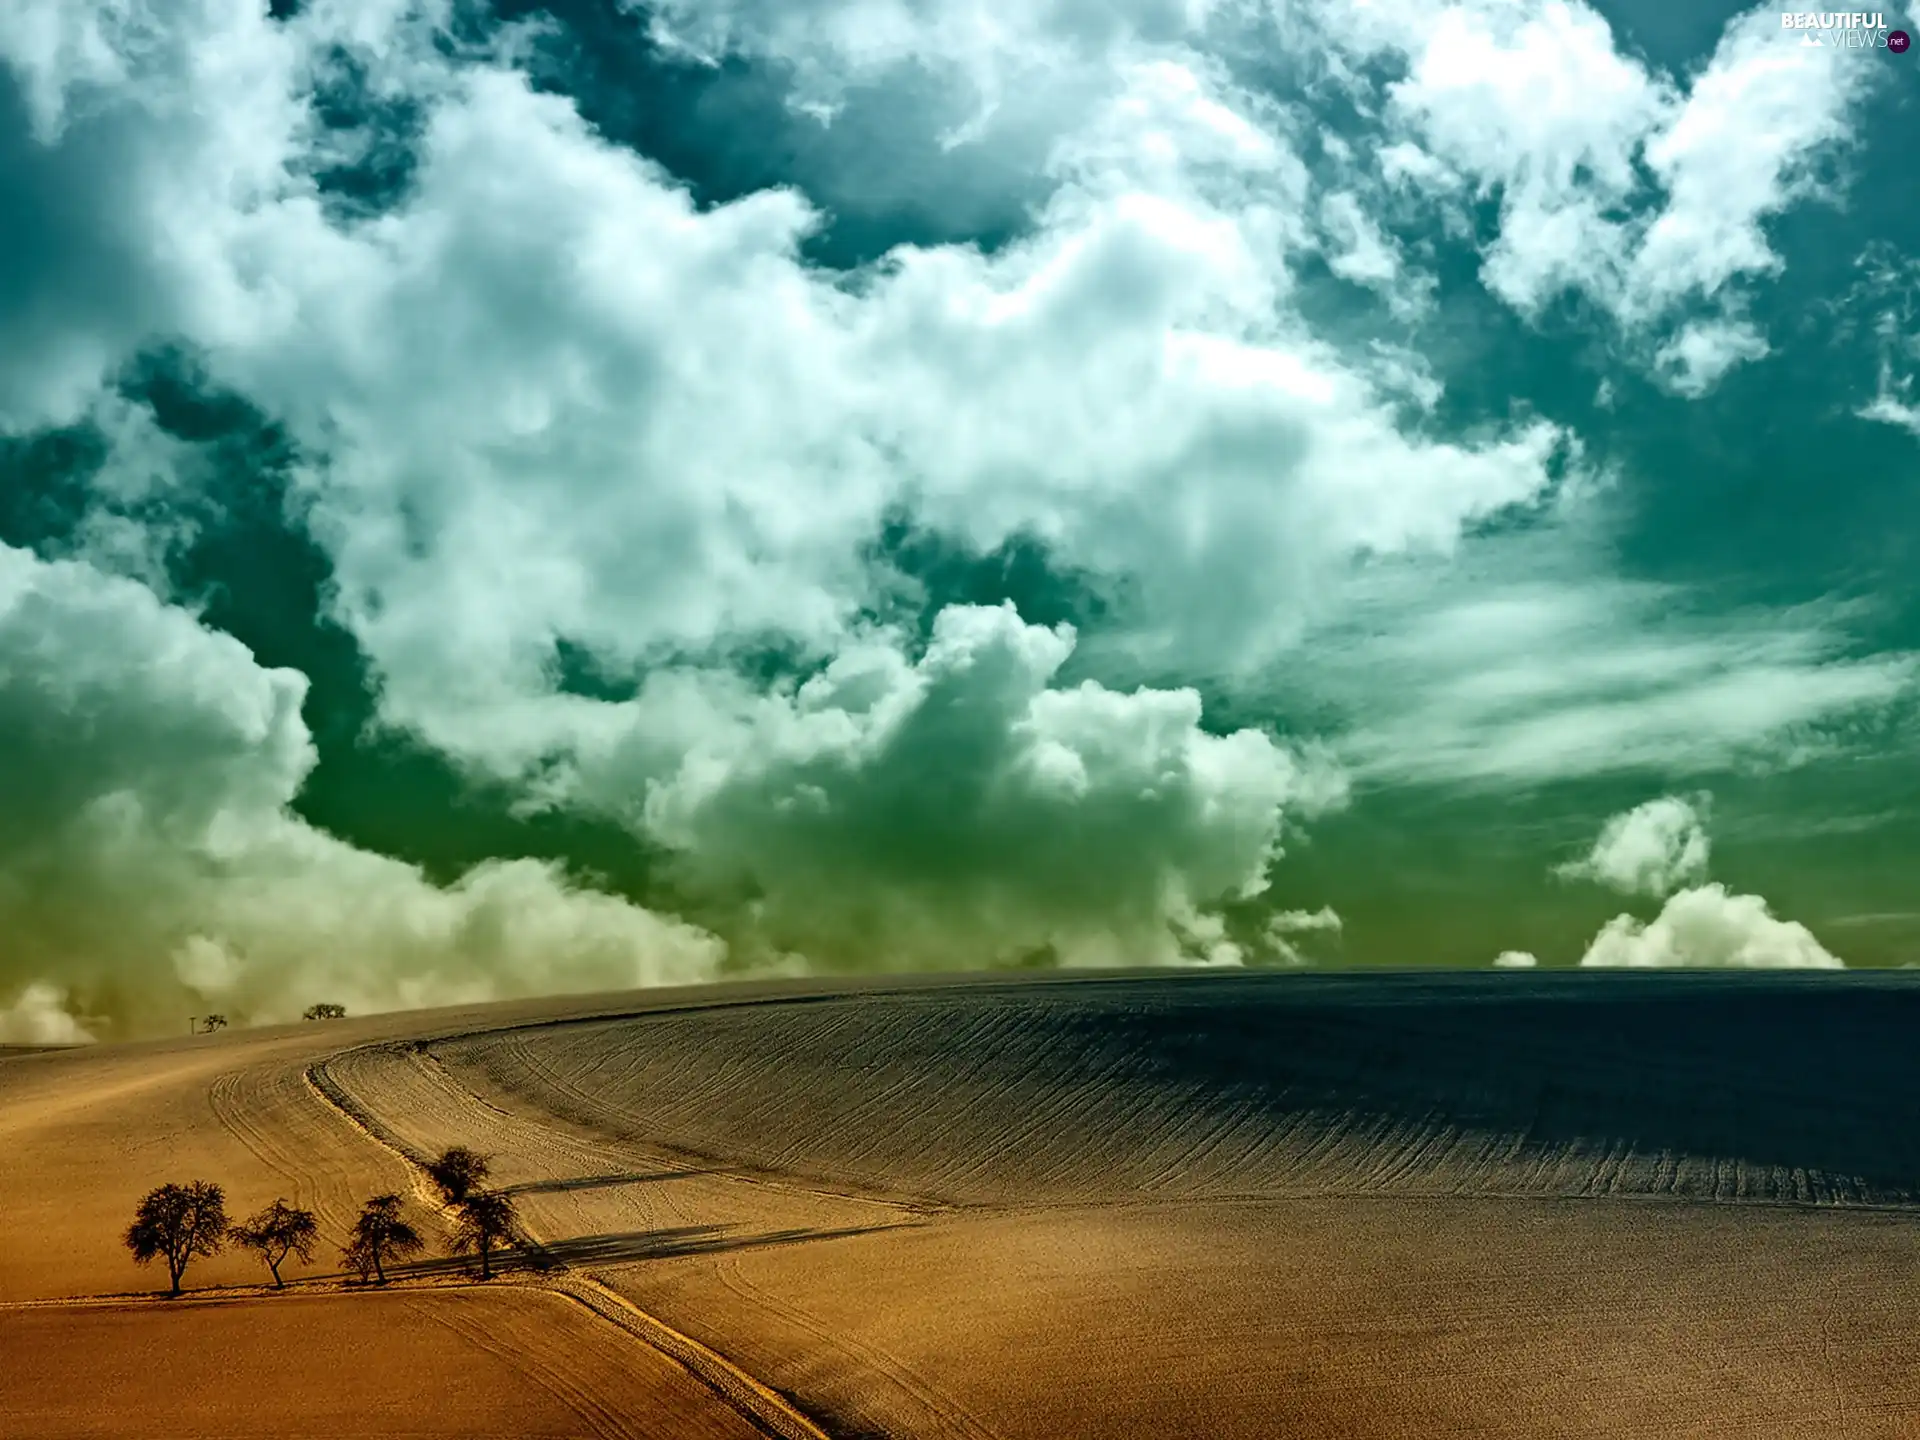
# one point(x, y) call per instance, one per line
point(1645, 191)
point(1539, 107)
point(1708, 928)
point(1538, 104)
point(1515, 960)
point(1293, 936)
point(1693, 361)
point(148, 861)
point(551, 399)
point(526, 440)
point(1652, 849)
point(1890, 406)
point(1663, 844)
point(963, 809)
point(547, 404)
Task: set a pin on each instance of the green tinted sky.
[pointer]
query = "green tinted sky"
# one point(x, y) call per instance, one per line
point(499, 499)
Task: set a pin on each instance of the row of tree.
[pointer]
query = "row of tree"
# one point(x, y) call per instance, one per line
point(176, 1222)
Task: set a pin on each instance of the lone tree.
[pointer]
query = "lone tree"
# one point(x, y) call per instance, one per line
point(276, 1232)
point(178, 1222)
point(458, 1172)
point(324, 1012)
point(380, 1235)
point(211, 1023)
point(487, 1221)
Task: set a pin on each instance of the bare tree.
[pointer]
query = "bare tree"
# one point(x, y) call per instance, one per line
point(276, 1232)
point(487, 1221)
point(176, 1223)
point(458, 1172)
point(324, 1012)
point(211, 1023)
point(380, 1235)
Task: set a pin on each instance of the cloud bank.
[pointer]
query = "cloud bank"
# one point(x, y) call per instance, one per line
point(607, 472)
point(149, 860)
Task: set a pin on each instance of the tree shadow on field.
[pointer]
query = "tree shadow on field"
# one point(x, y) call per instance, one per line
point(682, 1241)
point(628, 1247)
point(599, 1182)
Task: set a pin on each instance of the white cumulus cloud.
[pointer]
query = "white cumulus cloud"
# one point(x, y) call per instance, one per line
point(964, 808)
point(1708, 928)
point(1646, 192)
point(149, 862)
point(1652, 849)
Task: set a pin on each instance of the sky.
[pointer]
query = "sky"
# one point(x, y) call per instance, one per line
point(501, 499)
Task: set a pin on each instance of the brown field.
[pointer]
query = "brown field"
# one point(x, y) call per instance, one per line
point(1292, 1206)
point(430, 1362)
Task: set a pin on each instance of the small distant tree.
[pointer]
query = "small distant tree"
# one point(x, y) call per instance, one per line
point(276, 1232)
point(211, 1023)
point(487, 1222)
point(380, 1235)
point(324, 1012)
point(176, 1223)
point(458, 1172)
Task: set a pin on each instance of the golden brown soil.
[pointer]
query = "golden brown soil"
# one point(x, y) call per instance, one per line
point(87, 1131)
point(426, 1363)
point(1495, 1206)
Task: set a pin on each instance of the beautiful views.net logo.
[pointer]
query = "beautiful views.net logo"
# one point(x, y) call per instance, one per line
point(1846, 30)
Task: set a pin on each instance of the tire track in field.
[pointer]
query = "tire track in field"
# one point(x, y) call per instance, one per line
point(272, 1111)
point(941, 1415)
point(398, 1127)
point(526, 1355)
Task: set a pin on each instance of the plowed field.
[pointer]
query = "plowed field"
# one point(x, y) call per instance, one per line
point(1222, 1206)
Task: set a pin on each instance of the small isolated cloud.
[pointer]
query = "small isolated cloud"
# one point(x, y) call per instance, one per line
point(1708, 928)
point(1358, 248)
point(1893, 403)
point(40, 1015)
point(1652, 849)
point(1692, 362)
point(1290, 935)
point(1515, 960)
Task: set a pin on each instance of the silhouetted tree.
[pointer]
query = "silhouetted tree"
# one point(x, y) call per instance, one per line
point(212, 1023)
point(176, 1223)
point(458, 1172)
point(380, 1235)
point(324, 1012)
point(276, 1232)
point(487, 1221)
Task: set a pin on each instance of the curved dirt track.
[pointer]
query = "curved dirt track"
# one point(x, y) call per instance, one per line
point(1237, 1206)
point(86, 1131)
